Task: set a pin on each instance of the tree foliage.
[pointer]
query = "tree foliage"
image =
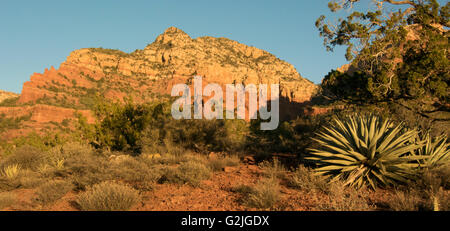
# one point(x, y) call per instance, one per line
point(399, 48)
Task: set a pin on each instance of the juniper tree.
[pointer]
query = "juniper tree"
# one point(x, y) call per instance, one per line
point(399, 49)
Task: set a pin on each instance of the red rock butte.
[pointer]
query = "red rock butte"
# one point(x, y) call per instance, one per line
point(174, 57)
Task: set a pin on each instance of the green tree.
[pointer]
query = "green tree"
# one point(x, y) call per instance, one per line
point(119, 127)
point(399, 47)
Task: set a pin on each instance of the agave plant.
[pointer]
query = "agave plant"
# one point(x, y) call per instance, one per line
point(11, 171)
point(437, 150)
point(366, 150)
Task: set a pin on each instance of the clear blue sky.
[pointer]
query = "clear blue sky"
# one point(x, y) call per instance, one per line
point(38, 34)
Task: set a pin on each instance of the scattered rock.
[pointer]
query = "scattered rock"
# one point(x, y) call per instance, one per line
point(212, 155)
point(229, 169)
point(249, 160)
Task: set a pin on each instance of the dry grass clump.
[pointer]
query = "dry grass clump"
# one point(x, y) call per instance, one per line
point(405, 201)
point(7, 199)
point(341, 198)
point(304, 179)
point(52, 191)
point(242, 189)
point(190, 172)
point(23, 178)
point(428, 193)
point(219, 163)
point(29, 179)
point(28, 157)
point(273, 169)
point(137, 173)
point(88, 169)
point(108, 196)
point(264, 195)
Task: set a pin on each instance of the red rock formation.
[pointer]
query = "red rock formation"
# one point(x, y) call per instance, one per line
point(173, 58)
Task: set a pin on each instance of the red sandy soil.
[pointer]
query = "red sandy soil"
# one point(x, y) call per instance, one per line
point(215, 194)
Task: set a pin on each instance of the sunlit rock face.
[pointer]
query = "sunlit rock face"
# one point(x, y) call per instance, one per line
point(174, 57)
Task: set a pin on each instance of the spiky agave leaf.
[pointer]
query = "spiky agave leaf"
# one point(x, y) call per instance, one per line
point(366, 150)
point(437, 150)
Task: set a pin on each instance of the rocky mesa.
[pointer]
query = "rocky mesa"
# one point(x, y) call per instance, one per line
point(174, 57)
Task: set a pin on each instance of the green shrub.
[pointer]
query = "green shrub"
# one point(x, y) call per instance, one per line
point(52, 191)
point(365, 150)
point(149, 128)
point(7, 123)
point(292, 136)
point(119, 127)
point(108, 196)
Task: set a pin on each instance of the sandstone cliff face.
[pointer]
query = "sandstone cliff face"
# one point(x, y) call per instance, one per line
point(172, 58)
point(6, 95)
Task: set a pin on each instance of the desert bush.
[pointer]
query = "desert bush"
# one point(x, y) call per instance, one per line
point(305, 179)
point(342, 198)
point(34, 142)
point(7, 199)
point(166, 159)
point(264, 195)
point(29, 179)
point(242, 189)
point(431, 186)
point(71, 149)
point(27, 157)
point(292, 136)
point(273, 169)
point(366, 150)
point(23, 179)
point(150, 128)
point(174, 159)
point(219, 163)
point(108, 196)
point(436, 178)
point(405, 201)
point(86, 170)
point(52, 191)
point(137, 173)
point(190, 172)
